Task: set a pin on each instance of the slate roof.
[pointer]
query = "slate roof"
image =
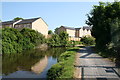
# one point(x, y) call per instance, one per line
point(28, 20)
point(68, 27)
point(77, 28)
point(8, 22)
point(87, 27)
point(21, 22)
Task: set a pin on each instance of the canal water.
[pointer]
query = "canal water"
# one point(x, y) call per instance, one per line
point(33, 63)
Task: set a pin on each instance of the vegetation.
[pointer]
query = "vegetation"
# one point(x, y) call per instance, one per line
point(50, 32)
point(65, 67)
point(56, 31)
point(88, 40)
point(105, 22)
point(15, 41)
point(17, 18)
point(58, 39)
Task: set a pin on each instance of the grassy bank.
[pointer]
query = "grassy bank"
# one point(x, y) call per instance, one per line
point(65, 66)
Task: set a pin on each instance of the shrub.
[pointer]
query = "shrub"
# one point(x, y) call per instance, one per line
point(55, 71)
point(58, 40)
point(7, 48)
point(88, 40)
point(34, 36)
point(15, 41)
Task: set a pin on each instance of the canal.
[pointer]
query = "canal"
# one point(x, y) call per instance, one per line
point(30, 64)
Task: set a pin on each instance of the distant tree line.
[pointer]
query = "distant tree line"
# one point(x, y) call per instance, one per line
point(105, 22)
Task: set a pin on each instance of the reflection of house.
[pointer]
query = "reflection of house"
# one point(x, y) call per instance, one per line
point(37, 24)
point(76, 33)
point(40, 66)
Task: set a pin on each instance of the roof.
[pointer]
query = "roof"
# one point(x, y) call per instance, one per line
point(87, 27)
point(77, 28)
point(28, 20)
point(8, 22)
point(68, 27)
point(21, 22)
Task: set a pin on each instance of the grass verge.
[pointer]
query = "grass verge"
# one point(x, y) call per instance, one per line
point(65, 66)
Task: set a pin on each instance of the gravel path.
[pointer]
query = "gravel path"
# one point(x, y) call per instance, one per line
point(91, 66)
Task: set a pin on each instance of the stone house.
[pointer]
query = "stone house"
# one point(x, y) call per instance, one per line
point(37, 24)
point(76, 33)
point(69, 30)
point(83, 31)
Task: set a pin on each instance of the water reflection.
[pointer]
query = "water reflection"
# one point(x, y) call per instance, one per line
point(32, 62)
point(40, 66)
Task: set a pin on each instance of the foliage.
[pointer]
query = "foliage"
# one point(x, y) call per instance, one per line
point(55, 71)
point(88, 40)
point(15, 41)
point(34, 36)
point(17, 18)
point(54, 40)
point(63, 38)
point(50, 32)
point(58, 40)
point(100, 19)
point(65, 67)
point(56, 31)
point(105, 22)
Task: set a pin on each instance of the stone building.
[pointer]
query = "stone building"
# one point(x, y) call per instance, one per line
point(37, 24)
point(76, 33)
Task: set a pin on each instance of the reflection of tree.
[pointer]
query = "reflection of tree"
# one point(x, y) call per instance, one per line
point(13, 62)
point(24, 61)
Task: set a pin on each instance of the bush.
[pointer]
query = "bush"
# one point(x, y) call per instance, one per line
point(88, 40)
point(7, 48)
point(58, 40)
point(55, 71)
point(34, 36)
point(15, 41)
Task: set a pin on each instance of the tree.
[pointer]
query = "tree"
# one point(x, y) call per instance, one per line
point(63, 38)
point(105, 22)
point(115, 33)
point(50, 32)
point(56, 31)
point(54, 40)
point(99, 18)
point(17, 18)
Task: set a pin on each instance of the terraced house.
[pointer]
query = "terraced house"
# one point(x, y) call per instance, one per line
point(76, 33)
point(37, 24)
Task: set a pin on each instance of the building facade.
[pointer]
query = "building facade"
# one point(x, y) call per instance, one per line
point(76, 33)
point(37, 24)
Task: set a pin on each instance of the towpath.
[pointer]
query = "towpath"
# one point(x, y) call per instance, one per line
point(91, 66)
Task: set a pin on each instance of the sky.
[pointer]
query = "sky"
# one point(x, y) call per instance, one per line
point(55, 14)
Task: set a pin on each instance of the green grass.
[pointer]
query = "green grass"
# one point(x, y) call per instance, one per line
point(65, 66)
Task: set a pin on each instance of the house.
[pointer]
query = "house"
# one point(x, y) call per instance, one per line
point(76, 33)
point(69, 30)
point(83, 31)
point(37, 24)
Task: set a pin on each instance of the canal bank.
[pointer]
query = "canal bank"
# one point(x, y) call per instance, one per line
point(65, 66)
